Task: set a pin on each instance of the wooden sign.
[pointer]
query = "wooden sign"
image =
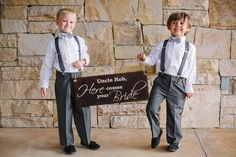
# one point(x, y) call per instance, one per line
point(108, 89)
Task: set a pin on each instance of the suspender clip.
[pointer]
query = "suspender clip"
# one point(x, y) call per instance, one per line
point(177, 78)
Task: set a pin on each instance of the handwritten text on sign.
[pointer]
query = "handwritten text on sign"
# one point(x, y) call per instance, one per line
point(114, 88)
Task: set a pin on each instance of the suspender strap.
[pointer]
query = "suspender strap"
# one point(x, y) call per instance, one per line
point(62, 67)
point(184, 58)
point(77, 40)
point(163, 56)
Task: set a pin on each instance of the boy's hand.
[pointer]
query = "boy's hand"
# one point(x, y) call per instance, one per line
point(141, 57)
point(189, 95)
point(79, 64)
point(43, 92)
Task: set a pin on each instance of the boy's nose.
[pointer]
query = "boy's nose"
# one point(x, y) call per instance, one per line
point(178, 24)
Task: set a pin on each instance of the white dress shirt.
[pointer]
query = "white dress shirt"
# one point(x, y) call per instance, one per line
point(69, 54)
point(173, 58)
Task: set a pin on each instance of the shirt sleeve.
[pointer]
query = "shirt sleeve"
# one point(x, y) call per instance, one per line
point(47, 66)
point(191, 79)
point(154, 55)
point(84, 53)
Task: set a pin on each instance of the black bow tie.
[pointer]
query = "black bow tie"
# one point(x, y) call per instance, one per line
point(174, 39)
point(66, 35)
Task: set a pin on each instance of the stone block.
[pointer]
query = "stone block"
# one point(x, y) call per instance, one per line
point(24, 89)
point(99, 40)
point(227, 67)
point(228, 111)
point(128, 108)
point(14, 26)
point(188, 5)
point(104, 121)
point(48, 13)
point(208, 65)
point(14, 12)
point(208, 44)
point(129, 122)
point(228, 101)
point(205, 102)
point(128, 33)
point(30, 61)
point(232, 87)
point(227, 119)
point(153, 34)
point(115, 10)
point(8, 54)
point(27, 122)
point(123, 66)
point(7, 64)
point(94, 71)
point(94, 117)
point(127, 52)
point(20, 73)
point(8, 41)
point(42, 27)
point(233, 45)
point(43, 2)
point(150, 12)
point(208, 78)
point(222, 14)
point(33, 44)
point(31, 108)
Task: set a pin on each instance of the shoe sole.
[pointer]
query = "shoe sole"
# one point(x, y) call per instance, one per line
point(172, 150)
point(89, 147)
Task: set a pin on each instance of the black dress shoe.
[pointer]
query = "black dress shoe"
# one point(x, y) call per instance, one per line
point(69, 149)
point(156, 141)
point(173, 147)
point(93, 145)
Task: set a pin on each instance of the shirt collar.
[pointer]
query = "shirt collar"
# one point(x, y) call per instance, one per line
point(65, 35)
point(177, 39)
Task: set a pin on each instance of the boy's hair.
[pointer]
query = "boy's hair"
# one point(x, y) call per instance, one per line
point(178, 16)
point(64, 11)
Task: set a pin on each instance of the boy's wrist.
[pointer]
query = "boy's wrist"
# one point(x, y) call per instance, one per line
point(81, 66)
point(85, 62)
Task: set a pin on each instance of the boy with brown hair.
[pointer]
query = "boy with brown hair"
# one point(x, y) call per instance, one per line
point(177, 73)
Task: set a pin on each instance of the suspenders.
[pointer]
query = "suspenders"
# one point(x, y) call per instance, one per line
point(62, 67)
point(183, 59)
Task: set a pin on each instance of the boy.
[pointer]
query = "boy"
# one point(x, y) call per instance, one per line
point(68, 57)
point(177, 73)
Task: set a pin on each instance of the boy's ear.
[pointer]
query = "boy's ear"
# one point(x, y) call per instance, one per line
point(168, 27)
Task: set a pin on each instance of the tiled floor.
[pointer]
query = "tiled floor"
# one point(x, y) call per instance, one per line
point(34, 142)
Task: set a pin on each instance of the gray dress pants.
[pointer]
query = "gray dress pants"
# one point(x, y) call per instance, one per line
point(66, 109)
point(170, 88)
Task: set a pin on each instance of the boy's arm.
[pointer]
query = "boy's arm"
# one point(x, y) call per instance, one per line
point(153, 57)
point(47, 66)
point(192, 71)
point(84, 54)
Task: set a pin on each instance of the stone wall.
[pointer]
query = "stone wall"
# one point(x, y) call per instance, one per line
point(115, 32)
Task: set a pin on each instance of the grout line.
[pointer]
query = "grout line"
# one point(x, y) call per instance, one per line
point(204, 151)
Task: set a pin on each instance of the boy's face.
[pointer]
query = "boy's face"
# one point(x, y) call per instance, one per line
point(178, 28)
point(66, 23)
